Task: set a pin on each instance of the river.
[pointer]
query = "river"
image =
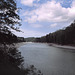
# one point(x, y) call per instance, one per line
point(50, 60)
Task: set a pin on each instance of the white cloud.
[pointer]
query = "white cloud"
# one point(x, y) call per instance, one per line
point(28, 2)
point(32, 19)
point(28, 33)
point(38, 0)
point(36, 25)
point(53, 25)
point(51, 11)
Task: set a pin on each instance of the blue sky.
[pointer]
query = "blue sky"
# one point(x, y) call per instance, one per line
point(40, 17)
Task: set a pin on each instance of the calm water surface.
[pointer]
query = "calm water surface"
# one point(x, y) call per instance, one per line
point(50, 60)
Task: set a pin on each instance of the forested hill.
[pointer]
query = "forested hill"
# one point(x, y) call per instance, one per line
point(30, 39)
point(62, 36)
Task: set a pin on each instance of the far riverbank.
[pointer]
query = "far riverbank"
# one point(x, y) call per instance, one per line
point(62, 46)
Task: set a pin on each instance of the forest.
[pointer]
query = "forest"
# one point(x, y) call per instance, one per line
point(30, 39)
point(64, 36)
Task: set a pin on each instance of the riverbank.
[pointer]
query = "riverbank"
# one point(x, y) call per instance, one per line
point(10, 59)
point(62, 46)
point(17, 45)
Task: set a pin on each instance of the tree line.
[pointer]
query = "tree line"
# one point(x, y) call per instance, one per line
point(62, 36)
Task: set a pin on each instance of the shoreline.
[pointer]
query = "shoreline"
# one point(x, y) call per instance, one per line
point(17, 45)
point(62, 46)
point(13, 45)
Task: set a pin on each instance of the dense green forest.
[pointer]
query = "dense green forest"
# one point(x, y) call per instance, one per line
point(63, 36)
point(30, 39)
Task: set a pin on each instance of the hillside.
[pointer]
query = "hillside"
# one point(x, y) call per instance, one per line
point(63, 36)
point(30, 39)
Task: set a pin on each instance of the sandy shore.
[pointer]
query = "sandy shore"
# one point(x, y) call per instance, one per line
point(62, 46)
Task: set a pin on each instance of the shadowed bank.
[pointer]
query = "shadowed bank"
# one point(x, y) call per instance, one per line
point(11, 63)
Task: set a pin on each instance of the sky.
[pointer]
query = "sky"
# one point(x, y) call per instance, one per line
point(41, 17)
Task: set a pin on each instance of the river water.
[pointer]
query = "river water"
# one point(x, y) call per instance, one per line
point(50, 60)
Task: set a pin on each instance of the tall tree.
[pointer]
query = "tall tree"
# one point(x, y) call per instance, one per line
point(9, 17)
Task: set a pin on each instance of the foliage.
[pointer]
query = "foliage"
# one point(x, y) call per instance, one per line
point(31, 70)
point(10, 56)
point(8, 15)
point(21, 39)
point(10, 59)
point(30, 39)
point(63, 36)
point(7, 37)
point(11, 62)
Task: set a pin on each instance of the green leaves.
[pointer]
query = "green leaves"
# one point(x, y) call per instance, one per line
point(8, 14)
